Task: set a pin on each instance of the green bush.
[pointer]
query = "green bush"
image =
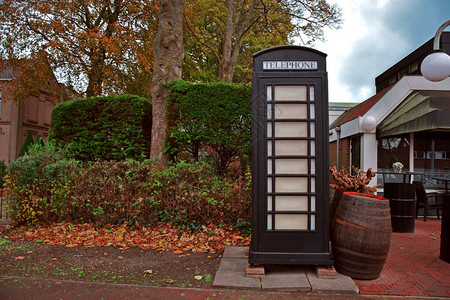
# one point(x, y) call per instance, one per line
point(26, 145)
point(184, 195)
point(2, 173)
point(37, 185)
point(210, 118)
point(40, 141)
point(45, 187)
point(108, 128)
point(192, 195)
point(112, 192)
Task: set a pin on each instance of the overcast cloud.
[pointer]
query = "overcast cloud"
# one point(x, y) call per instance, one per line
point(375, 35)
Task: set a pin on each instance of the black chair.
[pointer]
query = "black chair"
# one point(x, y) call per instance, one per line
point(423, 200)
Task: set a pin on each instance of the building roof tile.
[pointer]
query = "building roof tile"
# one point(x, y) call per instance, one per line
point(360, 109)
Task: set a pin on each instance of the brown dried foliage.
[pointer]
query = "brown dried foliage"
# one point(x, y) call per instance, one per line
point(354, 183)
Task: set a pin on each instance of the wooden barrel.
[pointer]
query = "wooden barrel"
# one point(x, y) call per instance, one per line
point(332, 189)
point(403, 205)
point(334, 204)
point(361, 235)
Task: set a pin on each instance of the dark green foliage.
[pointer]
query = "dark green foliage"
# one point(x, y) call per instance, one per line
point(109, 128)
point(45, 187)
point(184, 195)
point(213, 119)
point(2, 173)
point(26, 144)
point(40, 141)
point(37, 186)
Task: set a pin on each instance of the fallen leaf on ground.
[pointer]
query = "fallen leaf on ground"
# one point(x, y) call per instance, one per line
point(19, 258)
point(169, 281)
point(198, 277)
point(120, 257)
point(148, 272)
point(160, 237)
point(54, 259)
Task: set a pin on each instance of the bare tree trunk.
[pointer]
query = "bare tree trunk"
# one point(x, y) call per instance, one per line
point(225, 61)
point(168, 54)
point(95, 83)
point(95, 76)
point(231, 49)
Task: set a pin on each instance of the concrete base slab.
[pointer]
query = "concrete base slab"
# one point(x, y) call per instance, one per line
point(235, 252)
point(232, 274)
point(236, 280)
point(286, 282)
point(232, 270)
point(232, 265)
point(342, 284)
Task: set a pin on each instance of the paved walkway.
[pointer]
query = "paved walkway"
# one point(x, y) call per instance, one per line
point(49, 289)
point(413, 267)
point(232, 274)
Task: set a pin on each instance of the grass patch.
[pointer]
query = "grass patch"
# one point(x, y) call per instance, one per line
point(7, 245)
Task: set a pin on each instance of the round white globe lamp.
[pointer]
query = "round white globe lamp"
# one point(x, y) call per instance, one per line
point(436, 66)
point(369, 123)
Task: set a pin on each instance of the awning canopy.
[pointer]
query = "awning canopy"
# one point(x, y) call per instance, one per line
point(420, 111)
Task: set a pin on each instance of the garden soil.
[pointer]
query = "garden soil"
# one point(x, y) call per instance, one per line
point(106, 264)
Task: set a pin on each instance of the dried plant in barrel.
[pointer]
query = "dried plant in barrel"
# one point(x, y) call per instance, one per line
point(346, 182)
point(360, 222)
point(354, 183)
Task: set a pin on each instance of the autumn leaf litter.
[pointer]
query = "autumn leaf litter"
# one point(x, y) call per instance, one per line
point(210, 239)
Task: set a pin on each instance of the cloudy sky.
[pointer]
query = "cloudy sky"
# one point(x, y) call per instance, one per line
point(375, 35)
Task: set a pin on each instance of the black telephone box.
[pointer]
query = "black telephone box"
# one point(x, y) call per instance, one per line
point(290, 158)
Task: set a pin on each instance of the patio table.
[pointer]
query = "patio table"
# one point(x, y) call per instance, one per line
point(406, 175)
point(445, 180)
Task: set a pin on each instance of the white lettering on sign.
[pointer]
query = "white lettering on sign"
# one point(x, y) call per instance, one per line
point(290, 65)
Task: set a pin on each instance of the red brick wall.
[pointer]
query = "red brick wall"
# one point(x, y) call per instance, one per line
point(36, 116)
point(32, 115)
point(344, 153)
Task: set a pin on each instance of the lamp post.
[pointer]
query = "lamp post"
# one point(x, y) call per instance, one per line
point(436, 66)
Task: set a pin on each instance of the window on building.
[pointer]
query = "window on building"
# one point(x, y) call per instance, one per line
point(402, 73)
point(356, 152)
point(391, 150)
point(392, 79)
point(413, 67)
point(432, 157)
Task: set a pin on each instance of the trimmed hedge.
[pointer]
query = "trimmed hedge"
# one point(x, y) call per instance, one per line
point(212, 119)
point(108, 128)
point(44, 187)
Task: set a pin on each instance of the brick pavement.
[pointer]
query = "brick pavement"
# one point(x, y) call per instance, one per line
point(413, 267)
